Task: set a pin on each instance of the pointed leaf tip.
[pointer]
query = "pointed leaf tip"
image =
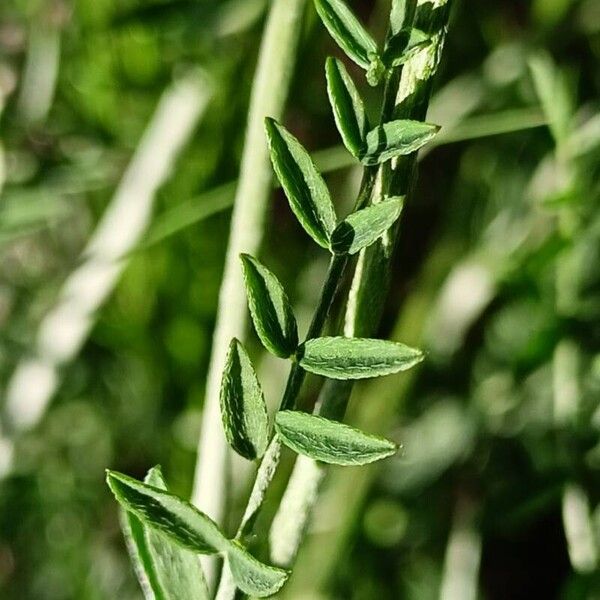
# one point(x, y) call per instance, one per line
point(303, 185)
point(348, 108)
point(167, 513)
point(330, 441)
point(396, 138)
point(270, 308)
point(243, 408)
point(251, 576)
point(364, 227)
point(347, 31)
point(356, 358)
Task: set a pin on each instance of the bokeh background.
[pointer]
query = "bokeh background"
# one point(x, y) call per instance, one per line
point(497, 278)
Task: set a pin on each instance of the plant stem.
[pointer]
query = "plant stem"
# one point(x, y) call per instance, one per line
point(270, 461)
point(297, 374)
point(371, 278)
point(269, 93)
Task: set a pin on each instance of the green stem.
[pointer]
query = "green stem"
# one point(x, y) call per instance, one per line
point(297, 374)
point(270, 461)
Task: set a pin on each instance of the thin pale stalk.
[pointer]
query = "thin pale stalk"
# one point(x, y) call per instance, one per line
point(269, 93)
point(371, 278)
point(65, 328)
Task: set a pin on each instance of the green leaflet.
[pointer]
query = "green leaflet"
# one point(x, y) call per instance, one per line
point(347, 31)
point(243, 407)
point(356, 358)
point(347, 105)
point(252, 576)
point(403, 46)
point(303, 185)
point(167, 513)
point(396, 138)
point(188, 527)
point(362, 228)
point(330, 441)
point(270, 308)
point(166, 570)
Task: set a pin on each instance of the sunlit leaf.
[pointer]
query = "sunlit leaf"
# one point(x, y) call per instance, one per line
point(306, 191)
point(356, 358)
point(396, 138)
point(363, 227)
point(243, 408)
point(167, 513)
point(330, 441)
point(270, 308)
point(166, 570)
point(347, 105)
point(347, 31)
point(252, 576)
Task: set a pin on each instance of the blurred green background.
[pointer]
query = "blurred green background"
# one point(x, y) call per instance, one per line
point(497, 277)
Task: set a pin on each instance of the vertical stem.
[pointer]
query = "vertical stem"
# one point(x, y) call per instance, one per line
point(297, 373)
point(269, 93)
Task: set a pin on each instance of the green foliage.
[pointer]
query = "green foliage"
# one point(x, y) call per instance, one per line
point(304, 187)
point(329, 441)
point(396, 138)
point(166, 570)
point(347, 105)
point(168, 514)
point(347, 31)
point(243, 408)
point(270, 308)
point(363, 227)
point(356, 358)
point(186, 525)
point(252, 576)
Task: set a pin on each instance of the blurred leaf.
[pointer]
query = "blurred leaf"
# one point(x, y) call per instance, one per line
point(243, 406)
point(330, 441)
point(270, 308)
point(171, 572)
point(396, 138)
point(554, 91)
point(168, 514)
point(356, 358)
point(347, 31)
point(362, 228)
point(347, 105)
point(306, 191)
